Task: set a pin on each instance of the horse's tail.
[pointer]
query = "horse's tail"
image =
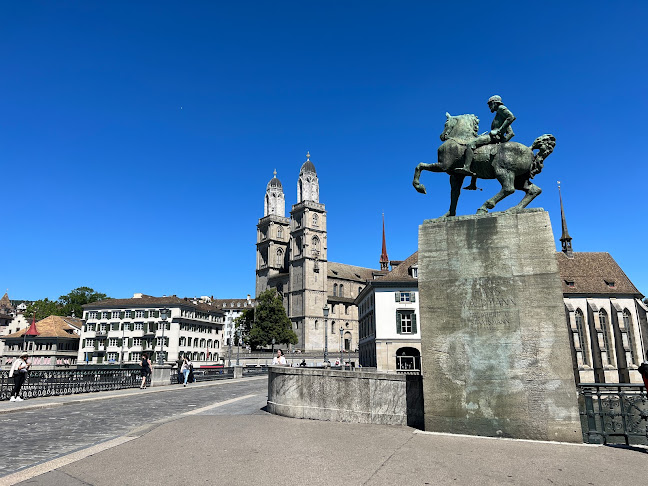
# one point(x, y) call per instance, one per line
point(545, 145)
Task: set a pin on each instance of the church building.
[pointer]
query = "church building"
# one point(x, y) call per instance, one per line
point(292, 257)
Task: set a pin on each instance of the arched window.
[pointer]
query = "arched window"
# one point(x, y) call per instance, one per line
point(279, 232)
point(408, 359)
point(334, 289)
point(315, 220)
point(605, 339)
point(333, 327)
point(579, 338)
point(280, 257)
point(341, 290)
point(316, 325)
point(315, 244)
point(626, 336)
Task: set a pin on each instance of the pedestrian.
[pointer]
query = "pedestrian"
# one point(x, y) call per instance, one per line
point(279, 359)
point(643, 369)
point(18, 371)
point(303, 363)
point(186, 369)
point(179, 363)
point(146, 369)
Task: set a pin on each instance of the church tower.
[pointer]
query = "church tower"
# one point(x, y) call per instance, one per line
point(565, 239)
point(273, 234)
point(308, 261)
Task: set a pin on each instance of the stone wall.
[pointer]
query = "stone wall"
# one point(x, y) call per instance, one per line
point(346, 396)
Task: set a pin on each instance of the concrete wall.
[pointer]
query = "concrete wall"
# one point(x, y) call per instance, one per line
point(346, 396)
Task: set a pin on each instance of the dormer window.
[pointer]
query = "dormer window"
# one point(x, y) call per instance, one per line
point(570, 283)
point(414, 272)
point(609, 283)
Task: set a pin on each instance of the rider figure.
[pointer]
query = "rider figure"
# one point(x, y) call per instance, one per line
point(501, 132)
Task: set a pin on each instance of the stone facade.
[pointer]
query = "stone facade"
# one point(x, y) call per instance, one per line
point(497, 360)
point(292, 257)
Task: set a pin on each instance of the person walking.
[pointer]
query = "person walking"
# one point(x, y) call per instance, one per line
point(146, 369)
point(643, 369)
point(18, 371)
point(186, 369)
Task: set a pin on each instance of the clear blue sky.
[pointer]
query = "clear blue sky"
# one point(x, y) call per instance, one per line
point(137, 138)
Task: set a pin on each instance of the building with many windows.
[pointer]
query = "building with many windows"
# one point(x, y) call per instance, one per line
point(121, 330)
point(232, 309)
point(292, 257)
point(390, 337)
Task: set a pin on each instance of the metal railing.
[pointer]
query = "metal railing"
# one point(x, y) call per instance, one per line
point(219, 373)
point(614, 413)
point(47, 383)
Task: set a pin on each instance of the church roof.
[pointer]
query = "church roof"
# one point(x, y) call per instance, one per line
point(308, 165)
point(401, 272)
point(349, 272)
point(593, 273)
point(53, 326)
point(5, 304)
point(274, 182)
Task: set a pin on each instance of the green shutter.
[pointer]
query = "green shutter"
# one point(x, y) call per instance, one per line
point(412, 296)
point(397, 296)
point(146, 314)
point(130, 342)
point(153, 326)
point(398, 322)
point(145, 327)
point(413, 322)
point(114, 326)
point(121, 315)
point(156, 314)
point(83, 343)
point(120, 342)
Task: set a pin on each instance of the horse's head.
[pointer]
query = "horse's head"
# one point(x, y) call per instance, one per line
point(461, 127)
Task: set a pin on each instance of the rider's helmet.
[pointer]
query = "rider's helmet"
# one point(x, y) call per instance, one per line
point(495, 99)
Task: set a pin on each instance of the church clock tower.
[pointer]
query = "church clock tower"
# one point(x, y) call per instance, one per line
point(308, 260)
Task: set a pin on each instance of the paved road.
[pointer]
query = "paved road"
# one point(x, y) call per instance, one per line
point(32, 436)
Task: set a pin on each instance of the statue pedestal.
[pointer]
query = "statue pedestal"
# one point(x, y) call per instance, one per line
point(496, 356)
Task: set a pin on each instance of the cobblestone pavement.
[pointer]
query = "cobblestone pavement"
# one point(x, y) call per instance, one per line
point(34, 436)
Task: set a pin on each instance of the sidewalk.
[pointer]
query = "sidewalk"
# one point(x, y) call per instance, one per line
point(264, 449)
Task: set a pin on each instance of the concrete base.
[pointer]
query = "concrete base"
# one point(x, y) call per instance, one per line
point(161, 375)
point(346, 396)
point(496, 356)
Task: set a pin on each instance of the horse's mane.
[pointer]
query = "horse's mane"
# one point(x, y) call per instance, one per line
point(474, 121)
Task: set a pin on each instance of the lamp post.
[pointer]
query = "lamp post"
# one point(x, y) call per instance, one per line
point(341, 354)
point(229, 359)
point(273, 343)
point(238, 348)
point(325, 310)
point(164, 313)
point(121, 353)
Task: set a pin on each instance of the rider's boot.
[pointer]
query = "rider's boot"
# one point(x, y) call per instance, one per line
point(465, 170)
point(473, 185)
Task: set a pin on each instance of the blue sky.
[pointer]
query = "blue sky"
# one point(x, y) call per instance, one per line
point(137, 138)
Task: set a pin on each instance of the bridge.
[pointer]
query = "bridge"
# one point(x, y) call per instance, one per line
point(218, 432)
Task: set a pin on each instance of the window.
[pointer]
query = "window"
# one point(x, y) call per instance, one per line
point(115, 314)
point(280, 258)
point(139, 313)
point(405, 322)
point(136, 356)
point(341, 290)
point(316, 325)
point(102, 328)
point(405, 297)
point(570, 283)
point(89, 343)
point(91, 327)
point(626, 336)
point(113, 342)
point(335, 289)
point(112, 356)
point(128, 314)
point(415, 272)
point(579, 338)
point(279, 232)
point(137, 341)
point(604, 339)
point(315, 220)
point(92, 315)
point(166, 341)
point(139, 326)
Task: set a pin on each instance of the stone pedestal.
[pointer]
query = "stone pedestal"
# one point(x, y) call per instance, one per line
point(495, 352)
point(161, 375)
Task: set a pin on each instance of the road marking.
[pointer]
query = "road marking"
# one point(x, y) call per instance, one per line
point(65, 460)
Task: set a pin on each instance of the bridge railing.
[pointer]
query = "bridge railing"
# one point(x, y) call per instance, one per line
point(45, 383)
point(613, 413)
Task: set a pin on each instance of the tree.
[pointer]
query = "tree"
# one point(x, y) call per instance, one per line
point(43, 308)
point(269, 322)
point(72, 303)
point(244, 324)
point(66, 305)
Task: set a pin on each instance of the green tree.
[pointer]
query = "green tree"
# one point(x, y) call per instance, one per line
point(72, 303)
point(43, 308)
point(270, 322)
point(244, 324)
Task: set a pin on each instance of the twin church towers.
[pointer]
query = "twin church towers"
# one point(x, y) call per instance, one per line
point(292, 258)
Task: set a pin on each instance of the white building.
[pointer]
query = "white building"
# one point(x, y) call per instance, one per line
point(390, 336)
point(124, 329)
point(232, 309)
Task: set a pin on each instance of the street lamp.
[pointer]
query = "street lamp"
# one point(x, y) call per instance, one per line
point(273, 343)
point(341, 355)
point(325, 310)
point(238, 348)
point(164, 313)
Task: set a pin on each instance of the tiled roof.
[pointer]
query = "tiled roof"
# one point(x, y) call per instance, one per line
point(233, 303)
point(53, 326)
point(148, 301)
point(401, 272)
point(593, 273)
point(349, 272)
point(5, 304)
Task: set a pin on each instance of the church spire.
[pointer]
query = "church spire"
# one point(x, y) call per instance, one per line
point(565, 239)
point(384, 259)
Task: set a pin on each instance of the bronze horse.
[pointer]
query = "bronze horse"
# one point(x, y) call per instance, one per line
point(511, 163)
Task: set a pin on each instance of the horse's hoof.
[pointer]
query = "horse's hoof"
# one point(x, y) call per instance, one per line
point(448, 215)
point(420, 188)
point(482, 211)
